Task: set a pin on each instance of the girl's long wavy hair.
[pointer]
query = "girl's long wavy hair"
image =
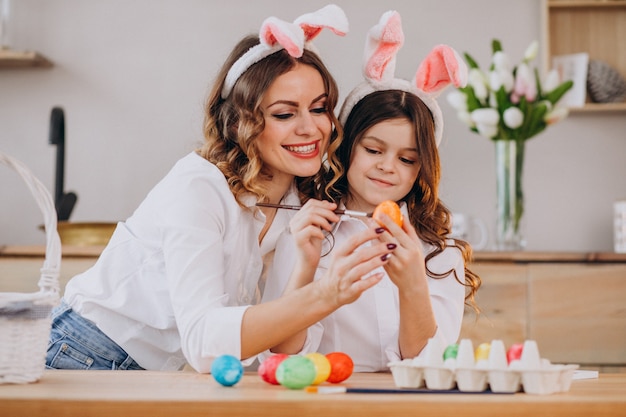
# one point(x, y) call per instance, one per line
point(429, 216)
point(231, 125)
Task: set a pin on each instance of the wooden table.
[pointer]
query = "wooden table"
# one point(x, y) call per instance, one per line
point(146, 393)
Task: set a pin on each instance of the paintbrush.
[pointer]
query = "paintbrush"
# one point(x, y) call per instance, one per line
point(338, 211)
point(347, 390)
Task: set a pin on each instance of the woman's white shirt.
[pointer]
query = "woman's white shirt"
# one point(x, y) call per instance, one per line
point(173, 283)
point(368, 329)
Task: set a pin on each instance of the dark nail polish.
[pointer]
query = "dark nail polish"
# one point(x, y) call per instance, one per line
point(391, 246)
point(380, 230)
point(385, 257)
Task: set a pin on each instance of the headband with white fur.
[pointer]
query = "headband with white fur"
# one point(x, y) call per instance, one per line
point(442, 66)
point(276, 34)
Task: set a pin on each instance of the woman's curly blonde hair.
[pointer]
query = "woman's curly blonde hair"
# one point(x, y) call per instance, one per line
point(232, 125)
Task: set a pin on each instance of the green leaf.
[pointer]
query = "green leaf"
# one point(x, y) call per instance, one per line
point(472, 102)
point(536, 123)
point(538, 83)
point(556, 94)
point(502, 98)
point(470, 61)
point(496, 46)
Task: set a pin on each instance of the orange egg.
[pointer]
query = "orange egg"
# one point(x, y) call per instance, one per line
point(391, 209)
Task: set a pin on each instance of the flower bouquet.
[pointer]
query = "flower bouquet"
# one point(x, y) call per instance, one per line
point(509, 104)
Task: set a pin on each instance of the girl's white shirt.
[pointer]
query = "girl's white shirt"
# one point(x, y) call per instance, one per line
point(368, 329)
point(172, 285)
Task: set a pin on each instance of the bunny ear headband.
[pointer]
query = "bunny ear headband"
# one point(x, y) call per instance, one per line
point(276, 34)
point(443, 66)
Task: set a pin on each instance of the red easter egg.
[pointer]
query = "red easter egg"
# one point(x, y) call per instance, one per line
point(267, 370)
point(341, 367)
point(515, 352)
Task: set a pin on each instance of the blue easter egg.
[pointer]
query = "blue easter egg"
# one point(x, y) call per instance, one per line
point(227, 370)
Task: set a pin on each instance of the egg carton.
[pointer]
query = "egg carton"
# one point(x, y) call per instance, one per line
point(529, 373)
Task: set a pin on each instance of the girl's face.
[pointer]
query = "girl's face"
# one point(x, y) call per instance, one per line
point(297, 125)
point(384, 165)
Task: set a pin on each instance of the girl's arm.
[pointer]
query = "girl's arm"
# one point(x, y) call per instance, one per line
point(407, 270)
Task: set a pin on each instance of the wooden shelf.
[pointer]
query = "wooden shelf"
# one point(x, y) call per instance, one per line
point(599, 107)
point(595, 27)
point(22, 59)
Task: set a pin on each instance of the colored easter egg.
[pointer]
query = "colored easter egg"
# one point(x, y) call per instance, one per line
point(482, 352)
point(267, 370)
point(322, 365)
point(341, 367)
point(296, 372)
point(227, 370)
point(515, 352)
point(451, 351)
point(391, 209)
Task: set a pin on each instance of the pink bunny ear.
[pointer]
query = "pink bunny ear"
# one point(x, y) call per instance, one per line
point(276, 34)
point(331, 17)
point(288, 35)
point(383, 42)
point(442, 66)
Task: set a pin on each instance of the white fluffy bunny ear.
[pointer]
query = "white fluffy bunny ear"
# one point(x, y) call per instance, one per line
point(441, 67)
point(276, 34)
point(289, 36)
point(331, 17)
point(382, 44)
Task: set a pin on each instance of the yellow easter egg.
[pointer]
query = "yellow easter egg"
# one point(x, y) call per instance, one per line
point(322, 366)
point(482, 352)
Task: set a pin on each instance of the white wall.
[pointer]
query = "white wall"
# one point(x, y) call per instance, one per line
point(132, 76)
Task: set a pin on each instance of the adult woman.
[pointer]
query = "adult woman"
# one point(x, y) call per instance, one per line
point(178, 280)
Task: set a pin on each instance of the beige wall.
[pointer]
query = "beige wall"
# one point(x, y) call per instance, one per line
point(132, 77)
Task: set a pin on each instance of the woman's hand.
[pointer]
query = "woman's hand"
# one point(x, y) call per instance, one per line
point(309, 228)
point(343, 281)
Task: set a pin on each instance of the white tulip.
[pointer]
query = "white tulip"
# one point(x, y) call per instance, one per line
point(477, 81)
point(531, 51)
point(465, 117)
point(487, 116)
point(501, 78)
point(501, 61)
point(488, 131)
point(494, 80)
point(493, 102)
point(513, 117)
point(457, 100)
point(508, 81)
point(556, 115)
point(552, 81)
point(525, 83)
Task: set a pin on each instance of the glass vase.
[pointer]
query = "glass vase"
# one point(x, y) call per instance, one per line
point(509, 194)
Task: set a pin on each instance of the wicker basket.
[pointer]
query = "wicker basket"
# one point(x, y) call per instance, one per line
point(25, 317)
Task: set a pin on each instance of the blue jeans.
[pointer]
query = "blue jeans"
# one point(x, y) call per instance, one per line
point(77, 343)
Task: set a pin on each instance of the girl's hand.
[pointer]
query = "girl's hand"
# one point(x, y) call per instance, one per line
point(343, 282)
point(406, 268)
point(309, 228)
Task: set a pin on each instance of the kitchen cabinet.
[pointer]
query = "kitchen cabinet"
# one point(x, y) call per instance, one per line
point(572, 304)
point(596, 27)
point(22, 59)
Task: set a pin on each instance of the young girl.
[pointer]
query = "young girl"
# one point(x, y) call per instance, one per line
point(391, 132)
point(179, 279)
